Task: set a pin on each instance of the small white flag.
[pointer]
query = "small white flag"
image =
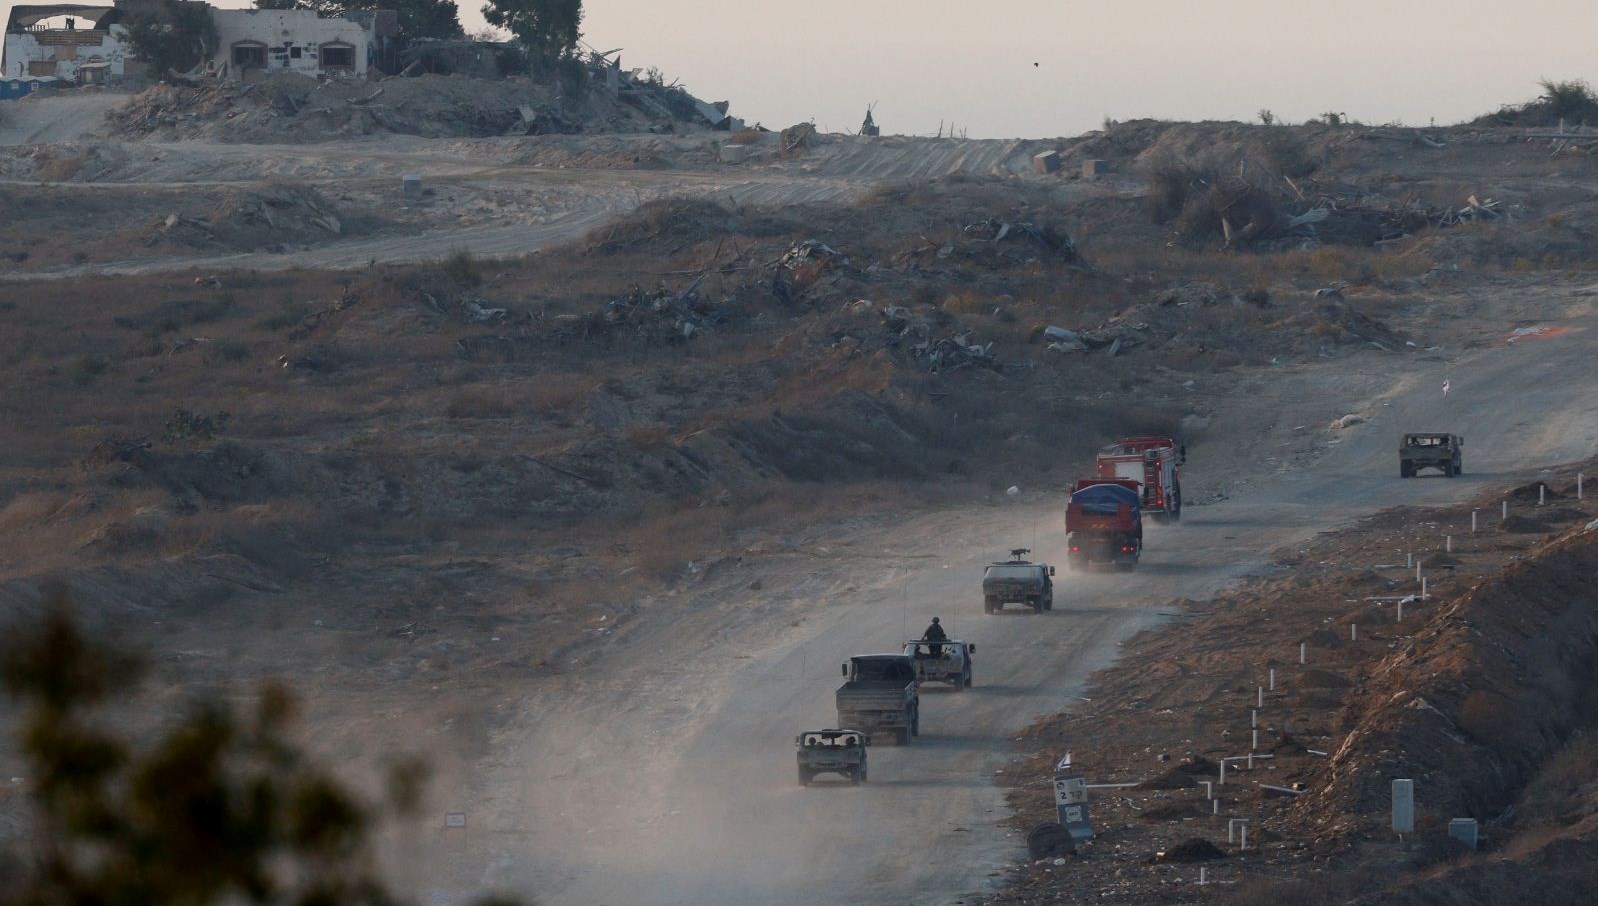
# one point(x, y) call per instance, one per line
point(1446, 386)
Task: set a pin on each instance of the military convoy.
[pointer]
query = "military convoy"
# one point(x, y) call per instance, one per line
point(832, 752)
point(1443, 452)
point(881, 693)
point(1104, 524)
point(1018, 581)
point(947, 661)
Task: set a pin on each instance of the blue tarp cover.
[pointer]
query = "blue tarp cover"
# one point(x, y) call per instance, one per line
point(1105, 499)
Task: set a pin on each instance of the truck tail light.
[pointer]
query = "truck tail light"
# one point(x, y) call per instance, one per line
point(1076, 549)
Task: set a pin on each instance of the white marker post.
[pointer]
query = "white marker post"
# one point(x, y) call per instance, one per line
point(1400, 611)
point(1253, 717)
point(1448, 544)
point(1222, 781)
point(1542, 491)
point(1254, 744)
point(1215, 806)
point(1417, 570)
point(1303, 651)
point(1261, 696)
point(1423, 588)
point(1506, 510)
point(1209, 788)
point(1579, 476)
point(1409, 559)
point(1473, 521)
point(1273, 679)
point(1353, 632)
point(1403, 807)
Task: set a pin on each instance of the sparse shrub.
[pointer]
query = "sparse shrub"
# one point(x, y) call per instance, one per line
point(480, 402)
point(648, 437)
point(89, 367)
point(220, 806)
point(967, 304)
point(232, 350)
point(554, 393)
point(1333, 118)
point(1267, 117)
point(1329, 264)
point(193, 426)
point(61, 169)
point(279, 320)
point(462, 268)
point(1485, 716)
point(1554, 791)
point(1570, 100)
point(744, 137)
point(1257, 295)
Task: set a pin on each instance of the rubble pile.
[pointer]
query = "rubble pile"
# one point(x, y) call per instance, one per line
point(275, 217)
point(289, 107)
point(940, 354)
point(648, 317)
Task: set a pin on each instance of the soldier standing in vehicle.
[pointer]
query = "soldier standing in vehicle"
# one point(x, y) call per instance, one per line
point(934, 635)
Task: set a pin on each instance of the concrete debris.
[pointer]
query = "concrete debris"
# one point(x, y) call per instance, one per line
point(809, 250)
point(1093, 169)
point(659, 316)
point(475, 313)
point(1347, 421)
point(939, 354)
point(953, 353)
point(797, 137)
point(1046, 238)
point(1113, 343)
point(1046, 162)
point(870, 127)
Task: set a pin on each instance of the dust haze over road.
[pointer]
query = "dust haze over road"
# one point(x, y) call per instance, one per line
point(660, 771)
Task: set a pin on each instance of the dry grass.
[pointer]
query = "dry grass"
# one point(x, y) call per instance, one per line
point(480, 402)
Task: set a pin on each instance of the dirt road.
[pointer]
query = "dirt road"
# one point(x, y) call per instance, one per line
point(660, 770)
point(33, 121)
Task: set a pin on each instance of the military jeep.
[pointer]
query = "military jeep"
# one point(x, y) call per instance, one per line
point(1431, 451)
point(832, 752)
point(1018, 581)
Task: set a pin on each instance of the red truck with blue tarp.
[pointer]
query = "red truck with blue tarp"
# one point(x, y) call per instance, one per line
point(1104, 523)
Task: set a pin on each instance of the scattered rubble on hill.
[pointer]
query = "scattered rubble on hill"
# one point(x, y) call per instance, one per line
point(292, 108)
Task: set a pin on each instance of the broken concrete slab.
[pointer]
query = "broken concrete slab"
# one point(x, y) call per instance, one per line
point(1047, 162)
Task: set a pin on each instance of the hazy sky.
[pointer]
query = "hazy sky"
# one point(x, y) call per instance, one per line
point(972, 62)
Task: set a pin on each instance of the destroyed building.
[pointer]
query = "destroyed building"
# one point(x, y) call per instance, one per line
point(252, 41)
point(66, 42)
point(73, 43)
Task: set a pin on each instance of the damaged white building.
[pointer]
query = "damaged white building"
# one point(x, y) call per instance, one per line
point(82, 44)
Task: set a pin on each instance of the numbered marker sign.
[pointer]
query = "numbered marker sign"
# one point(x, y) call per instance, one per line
point(1071, 801)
